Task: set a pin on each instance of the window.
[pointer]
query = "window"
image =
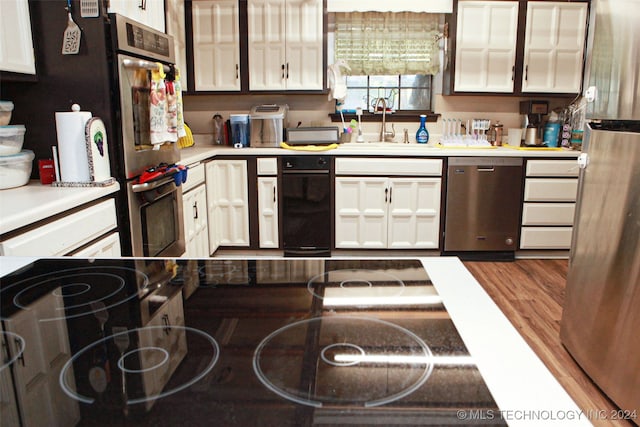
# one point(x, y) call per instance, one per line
point(391, 56)
point(401, 92)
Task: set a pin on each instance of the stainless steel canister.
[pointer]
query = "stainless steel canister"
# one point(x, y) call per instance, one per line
point(497, 130)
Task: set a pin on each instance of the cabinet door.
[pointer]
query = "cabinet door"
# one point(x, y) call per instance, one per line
point(216, 45)
point(304, 42)
point(227, 203)
point(361, 212)
point(267, 44)
point(8, 404)
point(36, 371)
point(188, 206)
point(268, 211)
point(554, 44)
point(107, 247)
point(414, 213)
point(16, 42)
point(147, 12)
point(200, 241)
point(486, 46)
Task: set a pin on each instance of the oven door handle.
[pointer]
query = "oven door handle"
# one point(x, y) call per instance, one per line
point(141, 63)
point(141, 188)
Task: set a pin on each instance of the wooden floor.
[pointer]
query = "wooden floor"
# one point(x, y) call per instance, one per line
point(530, 293)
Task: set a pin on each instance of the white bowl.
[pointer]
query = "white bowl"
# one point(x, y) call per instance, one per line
point(6, 107)
point(15, 170)
point(11, 139)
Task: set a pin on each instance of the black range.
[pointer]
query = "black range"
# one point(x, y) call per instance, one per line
point(236, 342)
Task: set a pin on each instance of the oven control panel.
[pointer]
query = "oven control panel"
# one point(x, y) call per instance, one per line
point(306, 163)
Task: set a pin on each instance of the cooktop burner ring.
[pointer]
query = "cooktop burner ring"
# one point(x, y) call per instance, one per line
point(423, 358)
point(43, 279)
point(353, 284)
point(66, 371)
point(121, 360)
point(346, 345)
point(85, 288)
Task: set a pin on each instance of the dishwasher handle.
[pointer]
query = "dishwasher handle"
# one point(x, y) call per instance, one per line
point(486, 168)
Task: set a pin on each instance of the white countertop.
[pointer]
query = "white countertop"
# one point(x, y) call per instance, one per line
point(524, 389)
point(34, 202)
point(201, 152)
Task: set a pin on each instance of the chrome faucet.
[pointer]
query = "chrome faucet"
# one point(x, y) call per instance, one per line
point(384, 135)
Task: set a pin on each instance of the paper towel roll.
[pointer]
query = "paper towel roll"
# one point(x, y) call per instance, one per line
point(72, 148)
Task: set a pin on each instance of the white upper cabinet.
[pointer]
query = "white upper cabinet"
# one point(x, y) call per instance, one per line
point(147, 12)
point(554, 46)
point(486, 46)
point(285, 44)
point(489, 43)
point(16, 42)
point(216, 45)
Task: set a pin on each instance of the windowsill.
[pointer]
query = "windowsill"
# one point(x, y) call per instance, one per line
point(398, 116)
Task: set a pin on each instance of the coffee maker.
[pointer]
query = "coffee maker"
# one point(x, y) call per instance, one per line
point(531, 113)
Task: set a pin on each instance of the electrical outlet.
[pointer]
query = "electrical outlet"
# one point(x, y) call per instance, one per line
point(591, 93)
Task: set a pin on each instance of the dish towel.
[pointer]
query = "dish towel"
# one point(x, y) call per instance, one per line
point(336, 82)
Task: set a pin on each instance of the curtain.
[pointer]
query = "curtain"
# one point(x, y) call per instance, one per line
point(385, 43)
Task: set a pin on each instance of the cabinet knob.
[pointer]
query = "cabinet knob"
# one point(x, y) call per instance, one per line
point(237, 71)
point(283, 71)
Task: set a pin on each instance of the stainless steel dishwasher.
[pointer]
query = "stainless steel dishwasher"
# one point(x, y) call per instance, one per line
point(483, 204)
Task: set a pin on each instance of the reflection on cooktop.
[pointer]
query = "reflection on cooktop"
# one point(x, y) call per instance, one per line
point(286, 342)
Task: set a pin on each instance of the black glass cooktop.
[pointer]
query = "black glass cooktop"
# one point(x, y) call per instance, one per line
point(287, 342)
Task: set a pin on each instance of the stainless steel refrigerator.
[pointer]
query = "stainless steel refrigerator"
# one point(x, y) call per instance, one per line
point(600, 325)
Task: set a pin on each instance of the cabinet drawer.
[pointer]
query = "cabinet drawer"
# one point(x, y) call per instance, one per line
point(552, 168)
point(388, 167)
point(550, 190)
point(195, 177)
point(545, 237)
point(268, 166)
point(107, 247)
point(63, 235)
point(548, 213)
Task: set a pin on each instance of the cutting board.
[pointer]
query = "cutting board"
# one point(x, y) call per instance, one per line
point(97, 150)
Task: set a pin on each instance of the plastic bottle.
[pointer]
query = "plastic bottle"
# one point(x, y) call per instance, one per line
point(422, 135)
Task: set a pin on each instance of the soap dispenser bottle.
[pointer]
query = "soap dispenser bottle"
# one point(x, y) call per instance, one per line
point(422, 135)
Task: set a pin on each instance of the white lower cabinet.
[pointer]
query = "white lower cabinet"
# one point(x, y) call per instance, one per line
point(545, 237)
point(66, 234)
point(227, 203)
point(107, 247)
point(164, 331)
point(36, 370)
point(268, 211)
point(196, 229)
point(387, 213)
point(550, 192)
point(8, 404)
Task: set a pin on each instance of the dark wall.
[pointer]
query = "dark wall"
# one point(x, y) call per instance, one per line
point(61, 80)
